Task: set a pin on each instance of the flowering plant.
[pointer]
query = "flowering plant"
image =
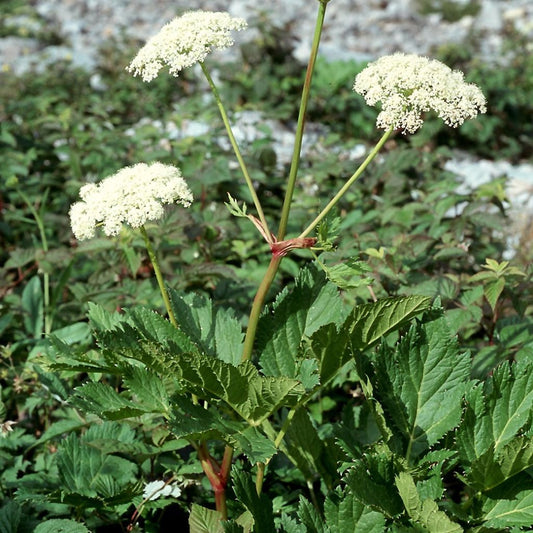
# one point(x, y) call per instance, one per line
point(241, 400)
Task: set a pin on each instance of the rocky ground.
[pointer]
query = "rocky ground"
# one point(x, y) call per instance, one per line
point(359, 29)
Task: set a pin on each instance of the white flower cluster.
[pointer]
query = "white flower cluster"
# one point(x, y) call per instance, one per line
point(133, 195)
point(156, 489)
point(409, 85)
point(184, 41)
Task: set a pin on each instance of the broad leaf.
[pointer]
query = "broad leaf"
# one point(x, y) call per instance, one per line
point(507, 513)
point(310, 517)
point(195, 422)
point(312, 303)
point(202, 520)
point(216, 331)
point(252, 396)
point(308, 451)
point(61, 526)
point(490, 469)
point(259, 505)
point(343, 512)
point(496, 411)
point(333, 347)
point(420, 385)
point(371, 481)
point(367, 323)
point(104, 401)
point(426, 513)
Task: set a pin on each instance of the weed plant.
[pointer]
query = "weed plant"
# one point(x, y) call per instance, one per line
point(387, 386)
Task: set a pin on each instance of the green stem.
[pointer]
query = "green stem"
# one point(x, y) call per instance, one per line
point(236, 149)
point(282, 230)
point(158, 275)
point(260, 477)
point(347, 185)
point(257, 306)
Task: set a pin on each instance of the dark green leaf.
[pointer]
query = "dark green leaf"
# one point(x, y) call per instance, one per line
point(345, 513)
point(260, 506)
point(33, 306)
point(61, 526)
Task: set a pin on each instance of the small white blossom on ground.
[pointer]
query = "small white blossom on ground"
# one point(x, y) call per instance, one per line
point(408, 85)
point(184, 41)
point(156, 489)
point(6, 427)
point(133, 196)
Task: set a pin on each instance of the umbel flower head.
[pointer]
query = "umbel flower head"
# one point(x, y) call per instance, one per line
point(184, 41)
point(133, 196)
point(408, 85)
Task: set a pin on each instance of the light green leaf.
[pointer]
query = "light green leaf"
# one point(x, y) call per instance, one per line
point(367, 323)
point(508, 513)
point(496, 410)
point(193, 421)
point(61, 526)
point(371, 481)
point(311, 518)
point(216, 331)
point(420, 385)
point(492, 291)
point(312, 303)
point(104, 401)
point(203, 520)
point(426, 513)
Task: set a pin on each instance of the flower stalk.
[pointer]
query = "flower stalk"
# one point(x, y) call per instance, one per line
point(236, 149)
point(158, 275)
point(333, 202)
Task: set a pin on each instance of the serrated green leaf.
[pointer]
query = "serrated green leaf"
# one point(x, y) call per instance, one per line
point(311, 518)
point(312, 303)
point(252, 396)
point(104, 401)
point(493, 290)
point(420, 385)
point(427, 513)
point(367, 323)
point(202, 520)
point(153, 327)
point(308, 451)
point(216, 331)
point(33, 307)
point(345, 513)
point(59, 525)
point(15, 519)
point(496, 411)
point(490, 469)
point(259, 505)
point(148, 389)
point(371, 481)
point(507, 513)
point(193, 421)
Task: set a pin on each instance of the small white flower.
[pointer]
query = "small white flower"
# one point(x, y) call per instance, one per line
point(133, 196)
point(184, 41)
point(409, 85)
point(156, 489)
point(6, 427)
